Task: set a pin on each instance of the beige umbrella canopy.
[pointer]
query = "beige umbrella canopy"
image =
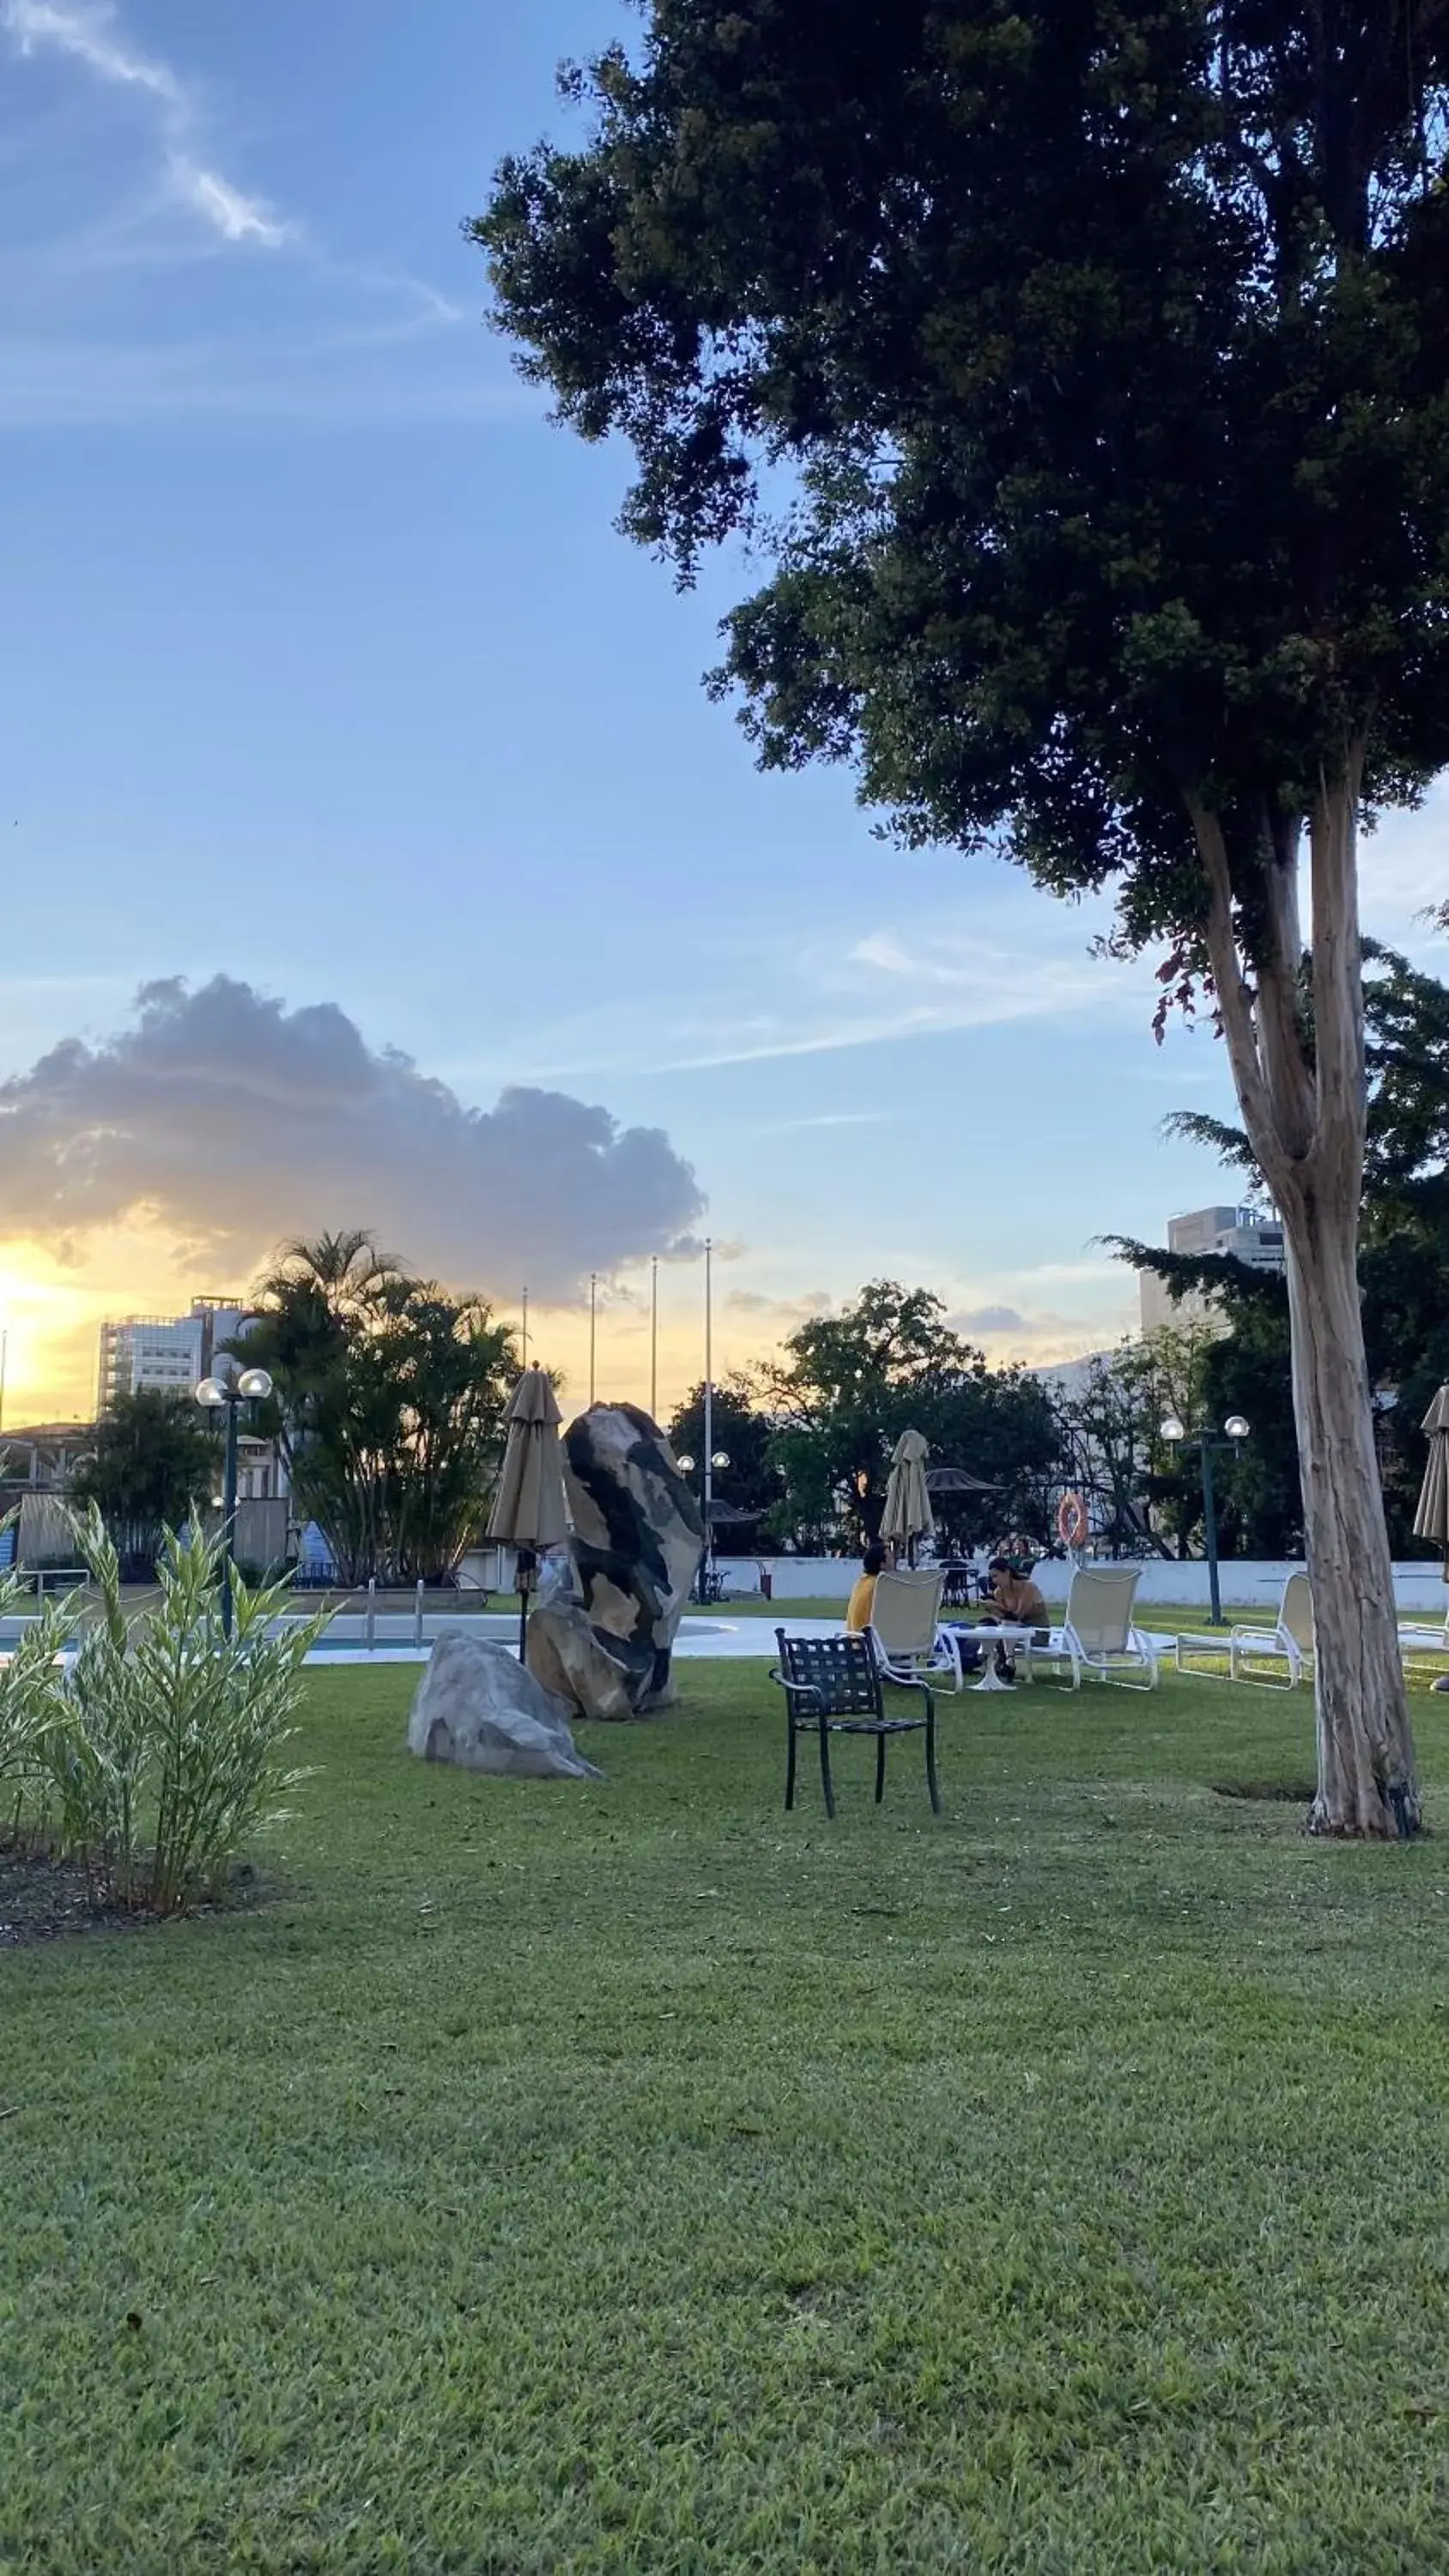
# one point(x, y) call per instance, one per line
point(908, 1515)
point(528, 1509)
point(1431, 1520)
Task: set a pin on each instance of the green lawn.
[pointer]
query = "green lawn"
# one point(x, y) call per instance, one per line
point(636, 2178)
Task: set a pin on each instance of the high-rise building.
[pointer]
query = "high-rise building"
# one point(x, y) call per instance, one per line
point(1243, 1233)
point(169, 1352)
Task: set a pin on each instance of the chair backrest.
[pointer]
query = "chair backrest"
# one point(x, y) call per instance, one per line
point(836, 1676)
point(907, 1610)
point(1295, 1612)
point(1099, 1606)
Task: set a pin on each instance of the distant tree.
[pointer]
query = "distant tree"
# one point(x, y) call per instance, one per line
point(155, 1464)
point(389, 1404)
point(1403, 1273)
point(745, 1434)
point(846, 1386)
point(1079, 372)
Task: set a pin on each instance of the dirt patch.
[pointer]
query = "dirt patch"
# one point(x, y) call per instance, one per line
point(45, 1899)
point(1283, 1793)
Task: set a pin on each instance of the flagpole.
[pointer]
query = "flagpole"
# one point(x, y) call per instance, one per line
point(525, 1328)
point(593, 1328)
point(708, 1402)
point(654, 1340)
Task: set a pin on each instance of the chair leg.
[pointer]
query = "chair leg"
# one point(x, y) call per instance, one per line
point(790, 1763)
point(825, 1779)
point(880, 1753)
point(932, 1783)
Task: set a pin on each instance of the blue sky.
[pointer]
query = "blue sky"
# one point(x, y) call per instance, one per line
point(327, 672)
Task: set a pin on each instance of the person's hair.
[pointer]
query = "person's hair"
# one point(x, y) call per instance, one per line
point(999, 1565)
point(874, 1558)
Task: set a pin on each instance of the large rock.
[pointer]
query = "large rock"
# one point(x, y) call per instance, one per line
point(638, 1537)
point(477, 1706)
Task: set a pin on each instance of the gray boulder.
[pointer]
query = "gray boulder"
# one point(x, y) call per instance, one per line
point(638, 1537)
point(476, 1706)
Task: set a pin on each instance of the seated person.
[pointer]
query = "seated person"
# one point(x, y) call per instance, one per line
point(862, 1599)
point(1015, 1603)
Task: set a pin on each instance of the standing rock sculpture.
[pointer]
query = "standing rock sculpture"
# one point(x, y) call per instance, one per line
point(638, 1536)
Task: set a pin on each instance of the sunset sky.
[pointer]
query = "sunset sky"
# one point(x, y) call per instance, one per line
point(374, 856)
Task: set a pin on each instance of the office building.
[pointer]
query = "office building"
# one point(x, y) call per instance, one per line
point(171, 1353)
point(1241, 1233)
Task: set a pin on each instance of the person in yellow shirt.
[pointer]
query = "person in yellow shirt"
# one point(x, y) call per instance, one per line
point(862, 1599)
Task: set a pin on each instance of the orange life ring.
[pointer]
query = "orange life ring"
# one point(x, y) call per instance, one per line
point(1072, 1520)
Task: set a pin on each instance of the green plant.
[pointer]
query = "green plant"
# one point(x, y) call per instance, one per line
point(154, 1463)
point(389, 1404)
point(156, 1759)
point(218, 1712)
point(30, 1698)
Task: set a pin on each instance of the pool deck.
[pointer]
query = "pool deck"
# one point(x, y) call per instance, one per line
point(395, 1638)
point(698, 1639)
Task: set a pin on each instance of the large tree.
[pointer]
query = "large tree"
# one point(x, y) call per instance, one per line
point(155, 1463)
point(846, 1386)
point(751, 1485)
point(1403, 1273)
point(1079, 366)
point(389, 1403)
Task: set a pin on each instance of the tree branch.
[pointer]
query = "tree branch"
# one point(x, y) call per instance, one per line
point(1287, 1069)
point(1235, 1001)
point(1338, 973)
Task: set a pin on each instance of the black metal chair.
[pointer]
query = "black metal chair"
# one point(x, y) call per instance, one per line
point(832, 1686)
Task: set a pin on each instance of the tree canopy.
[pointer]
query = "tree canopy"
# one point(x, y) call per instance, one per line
point(847, 1385)
point(1403, 1269)
point(1080, 365)
point(154, 1464)
point(1078, 369)
point(389, 1403)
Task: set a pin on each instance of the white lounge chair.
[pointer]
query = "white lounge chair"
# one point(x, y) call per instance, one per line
point(1097, 1634)
point(909, 1642)
point(1424, 1641)
point(1289, 1641)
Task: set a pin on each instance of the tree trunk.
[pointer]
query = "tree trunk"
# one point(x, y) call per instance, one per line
point(1303, 1097)
point(1366, 1779)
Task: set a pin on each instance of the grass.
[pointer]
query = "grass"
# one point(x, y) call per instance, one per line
point(637, 2178)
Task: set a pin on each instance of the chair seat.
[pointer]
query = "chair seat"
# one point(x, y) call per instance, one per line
point(865, 1725)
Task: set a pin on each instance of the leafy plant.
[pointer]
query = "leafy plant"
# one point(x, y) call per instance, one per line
point(155, 1759)
point(389, 1404)
point(154, 1462)
point(29, 1706)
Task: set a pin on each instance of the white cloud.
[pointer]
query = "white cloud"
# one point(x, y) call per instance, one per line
point(130, 174)
point(91, 36)
point(235, 217)
point(86, 34)
point(227, 1122)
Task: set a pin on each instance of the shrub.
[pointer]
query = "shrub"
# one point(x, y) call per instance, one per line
point(29, 1707)
point(154, 1759)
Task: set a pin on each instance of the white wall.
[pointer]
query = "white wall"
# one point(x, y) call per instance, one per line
point(1246, 1583)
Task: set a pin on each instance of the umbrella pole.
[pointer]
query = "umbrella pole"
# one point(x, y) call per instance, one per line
point(526, 1563)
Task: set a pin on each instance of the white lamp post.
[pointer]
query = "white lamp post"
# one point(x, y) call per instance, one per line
point(1234, 1430)
point(253, 1386)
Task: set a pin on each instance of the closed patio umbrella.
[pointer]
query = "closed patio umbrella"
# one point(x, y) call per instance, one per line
point(528, 1509)
point(908, 1515)
point(1431, 1519)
